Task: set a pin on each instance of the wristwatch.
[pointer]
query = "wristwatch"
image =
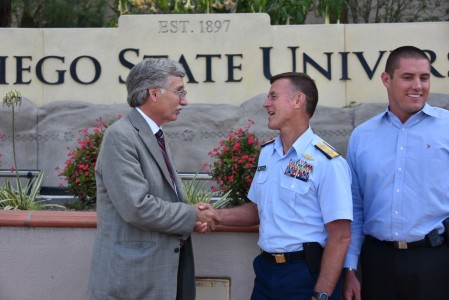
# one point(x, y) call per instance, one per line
point(320, 295)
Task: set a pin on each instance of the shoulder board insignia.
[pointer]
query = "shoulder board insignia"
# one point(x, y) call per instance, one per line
point(327, 150)
point(267, 143)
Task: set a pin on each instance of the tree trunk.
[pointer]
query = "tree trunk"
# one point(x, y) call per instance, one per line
point(5, 13)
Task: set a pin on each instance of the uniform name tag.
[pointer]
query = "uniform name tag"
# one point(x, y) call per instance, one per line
point(261, 168)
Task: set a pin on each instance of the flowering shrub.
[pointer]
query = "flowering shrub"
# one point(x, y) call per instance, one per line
point(236, 162)
point(79, 171)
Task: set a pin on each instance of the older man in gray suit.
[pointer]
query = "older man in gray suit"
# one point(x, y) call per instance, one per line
point(143, 248)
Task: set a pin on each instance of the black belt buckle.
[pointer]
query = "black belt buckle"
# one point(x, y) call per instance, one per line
point(434, 238)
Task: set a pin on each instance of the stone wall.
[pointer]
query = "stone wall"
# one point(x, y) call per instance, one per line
point(43, 134)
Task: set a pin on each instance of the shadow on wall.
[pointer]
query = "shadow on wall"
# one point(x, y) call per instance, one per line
point(43, 134)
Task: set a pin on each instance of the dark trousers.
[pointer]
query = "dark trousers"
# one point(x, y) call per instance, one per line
point(180, 280)
point(412, 274)
point(287, 281)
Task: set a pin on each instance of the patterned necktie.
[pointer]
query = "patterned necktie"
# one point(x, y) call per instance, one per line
point(161, 141)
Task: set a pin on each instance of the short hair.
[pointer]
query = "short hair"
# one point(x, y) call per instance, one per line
point(303, 83)
point(403, 52)
point(150, 73)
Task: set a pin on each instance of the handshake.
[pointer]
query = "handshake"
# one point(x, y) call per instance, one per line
point(206, 218)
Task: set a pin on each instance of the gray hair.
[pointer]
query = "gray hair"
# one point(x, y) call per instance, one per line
point(150, 73)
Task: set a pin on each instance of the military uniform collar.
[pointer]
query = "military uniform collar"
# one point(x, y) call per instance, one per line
point(299, 145)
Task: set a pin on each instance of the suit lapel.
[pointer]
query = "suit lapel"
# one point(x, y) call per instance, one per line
point(177, 180)
point(151, 143)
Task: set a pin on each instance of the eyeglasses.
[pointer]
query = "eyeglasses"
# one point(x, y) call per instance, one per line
point(180, 93)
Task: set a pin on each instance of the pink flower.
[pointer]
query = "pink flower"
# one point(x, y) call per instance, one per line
point(81, 161)
point(233, 168)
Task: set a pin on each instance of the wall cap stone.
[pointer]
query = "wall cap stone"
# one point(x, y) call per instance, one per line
point(73, 219)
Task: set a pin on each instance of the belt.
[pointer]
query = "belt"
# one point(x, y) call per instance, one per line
point(281, 258)
point(403, 245)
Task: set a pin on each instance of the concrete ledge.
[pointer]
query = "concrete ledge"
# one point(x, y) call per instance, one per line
point(68, 219)
point(73, 219)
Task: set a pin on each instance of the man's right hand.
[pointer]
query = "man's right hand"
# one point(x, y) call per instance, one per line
point(205, 217)
point(351, 286)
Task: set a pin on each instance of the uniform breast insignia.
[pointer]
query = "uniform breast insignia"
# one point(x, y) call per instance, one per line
point(261, 168)
point(267, 143)
point(307, 156)
point(327, 150)
point(299, 169)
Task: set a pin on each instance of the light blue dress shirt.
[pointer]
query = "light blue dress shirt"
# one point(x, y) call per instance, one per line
point(294, 207)
point(400, 174)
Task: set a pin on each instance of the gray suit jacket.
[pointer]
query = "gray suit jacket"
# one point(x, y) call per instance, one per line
point(140, 219)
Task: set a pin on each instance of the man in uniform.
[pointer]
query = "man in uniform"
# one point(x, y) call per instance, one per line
point(301, 198)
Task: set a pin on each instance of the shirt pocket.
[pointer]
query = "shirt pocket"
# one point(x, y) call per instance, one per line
point(261, 177)
point(294, 186)
point(136, 258)
point(293, 194)
point(132, 255)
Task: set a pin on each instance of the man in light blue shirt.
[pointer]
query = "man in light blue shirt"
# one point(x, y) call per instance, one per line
point(400, 166)
point(301, 197)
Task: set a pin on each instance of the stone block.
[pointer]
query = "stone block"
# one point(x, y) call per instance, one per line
point(43, 135)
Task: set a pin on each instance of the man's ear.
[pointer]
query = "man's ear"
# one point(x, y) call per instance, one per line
point(385, 79)
point(153, 93)
point(300, 100)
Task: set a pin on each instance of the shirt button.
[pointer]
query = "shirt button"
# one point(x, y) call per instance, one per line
point(396, 234)
point(399, 169)
point(292, 186)
point(396, 212)
point(398, 190)
point(176, 250)
point(402, 148)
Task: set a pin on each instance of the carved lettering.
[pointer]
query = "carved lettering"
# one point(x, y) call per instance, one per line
point(204, 26)
point(3, 69)
point(208, 58)
point(20, 69)
point(370, 72)
point(74, 74)
point(309, 60)
point(40, 74)
point(232, 66)
point(433, 58)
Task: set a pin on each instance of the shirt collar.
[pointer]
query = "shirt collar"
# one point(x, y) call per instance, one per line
point(427, 110)
point(299, 145)
point(154, 127)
